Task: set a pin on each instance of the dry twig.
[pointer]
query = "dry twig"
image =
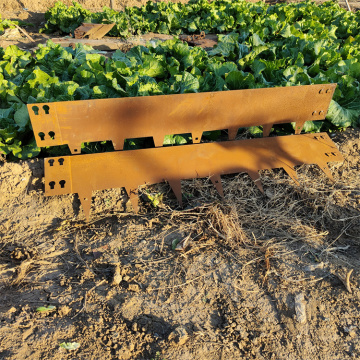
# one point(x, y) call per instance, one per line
point(346, 280)
point(348, 5)
point(25, 33)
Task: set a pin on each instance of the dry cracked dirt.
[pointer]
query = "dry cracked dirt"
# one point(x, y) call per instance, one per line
point(259, 276)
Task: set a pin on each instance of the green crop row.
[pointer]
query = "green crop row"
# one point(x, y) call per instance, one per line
point(11, 24)
point(201, 15)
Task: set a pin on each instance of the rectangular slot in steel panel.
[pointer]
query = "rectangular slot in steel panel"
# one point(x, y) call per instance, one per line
point(84, 174)
point(76, 122)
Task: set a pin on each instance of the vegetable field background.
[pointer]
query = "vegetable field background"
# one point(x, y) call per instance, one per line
point(215, 279)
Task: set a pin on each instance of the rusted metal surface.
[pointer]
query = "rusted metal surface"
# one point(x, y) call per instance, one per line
point(92, 31)
point(84, 174)
point(75, 122)
point(202, 40)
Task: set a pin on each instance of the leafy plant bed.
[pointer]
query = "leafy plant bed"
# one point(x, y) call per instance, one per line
point(280, 45)
point(209, 16)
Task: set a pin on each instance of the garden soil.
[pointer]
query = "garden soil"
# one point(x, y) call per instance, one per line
point(254, 276)
point(273, 276)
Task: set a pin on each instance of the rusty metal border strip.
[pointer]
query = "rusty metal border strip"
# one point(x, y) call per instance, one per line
point(75, 122)
point(84, 174)
point(93, 31)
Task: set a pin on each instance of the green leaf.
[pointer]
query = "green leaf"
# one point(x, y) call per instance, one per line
point(27, 151)
point(152, 67)
point(40, 77)
point(120, 56)
point(136, 54)
point(256, 131)
point(225, 49)
point(6, 113)
point(155, 199)
point(212, 135)
point(311, 126)
point(13, 52)
point(70, 346)
point(21, 116)
point(236, 80)
point(342, 117)
point(177, 139)
point(255, 40)
point(297, 75)
point(174, 243)
point(186, 83)
point(286, 31)
point(258, 67)
point(9, 134)
point(46, 308)
point(4, 148)
point(349, 67)
point(221, 69)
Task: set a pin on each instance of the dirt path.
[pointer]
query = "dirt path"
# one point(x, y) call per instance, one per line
point(121, 291)
point(32, 11)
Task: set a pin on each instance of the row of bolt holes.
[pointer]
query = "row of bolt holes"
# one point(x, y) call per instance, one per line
point(61, 161)
point(327, 154)
point(45, 107)
point(61, 182)
point(321, 112)
point(52, 184)
point(42, 135)
point(321, 91)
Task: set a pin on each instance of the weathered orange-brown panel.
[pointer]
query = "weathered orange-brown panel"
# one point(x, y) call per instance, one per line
point(75, 122)
point(93, 31)
point(84, 174)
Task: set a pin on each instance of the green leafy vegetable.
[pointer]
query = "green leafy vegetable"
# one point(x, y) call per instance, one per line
point(174, 243)
point(342, 117)
point(155, 199)
point(45, 309)
point(70, 346)
point(10, 24)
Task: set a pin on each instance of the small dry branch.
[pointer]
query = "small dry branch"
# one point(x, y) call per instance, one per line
point(25, 33)
point(346, 280)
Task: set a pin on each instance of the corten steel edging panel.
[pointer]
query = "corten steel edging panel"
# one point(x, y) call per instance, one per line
point(75, 122)
point(84, 174)
point(94, 31)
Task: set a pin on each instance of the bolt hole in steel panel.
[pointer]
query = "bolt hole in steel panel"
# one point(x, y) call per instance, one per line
point(84, 174)
point(76, 122)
